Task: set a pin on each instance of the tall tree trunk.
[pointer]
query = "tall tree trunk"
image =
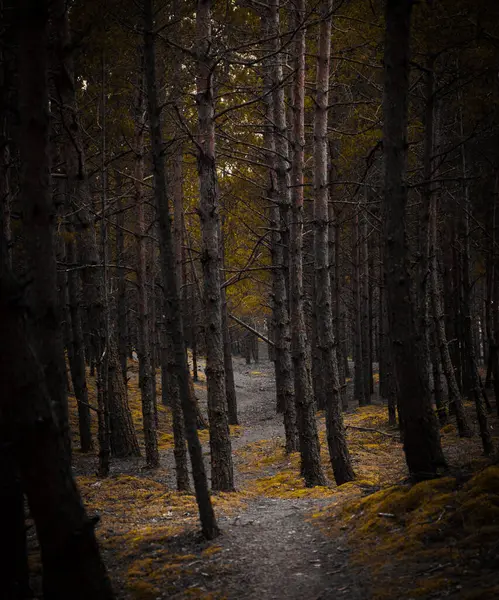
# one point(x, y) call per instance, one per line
point(364, 312)
point(472, 367)
point(222, 476)
point(38, 208)
point(102, 354)
point(434, 286)
point(123, 438)
point(143, 325)
point(336, 291)
point(358, 376)
point(72, 567)
point(78, 371)
point(230, 386)
point(277, 143)
point(172, 293)
point(421, 436)
point(338, 450)
point(305, 406)
point(122, 326)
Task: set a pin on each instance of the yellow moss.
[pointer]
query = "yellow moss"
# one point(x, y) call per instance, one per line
point(419, 526)
point(236, 430)
point(211, 550)
point(142, 590)
point(486, 481)
point(479, 510)
point(427, 586)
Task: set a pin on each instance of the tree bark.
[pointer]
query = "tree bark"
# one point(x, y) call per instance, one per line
point(143, 325)
point(222, 476)
point(122, 325)
point(123, 437)
point(365, 328)
point(230, 386)
point(72, 567)
point(172, 293)
point(276, 142)
point(338, 449)
point(420, 431)
point(78, 371)
point(305, 406)
point(38, 208)
point(358, 375)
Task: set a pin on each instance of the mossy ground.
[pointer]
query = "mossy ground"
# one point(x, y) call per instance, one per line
point(149, 533)
point(378, 459)
point(435, 539)
point(432, 538)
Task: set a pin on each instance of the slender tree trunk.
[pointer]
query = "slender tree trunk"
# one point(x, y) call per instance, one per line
point(230, 386)
point(338, 308)
point(222, 476)
point(143, 303)
point(358, 377)
point(173, 312)
point(338, 449)
point(305, 406)
point(422, 447)
point(78, 350)
point(438, 314)
point(276, 142)
point(122, 325)
point(102, 355)
point(472, 367)
point(364, 313)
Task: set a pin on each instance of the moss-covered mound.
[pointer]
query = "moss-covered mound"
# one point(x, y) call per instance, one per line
point(439, 538)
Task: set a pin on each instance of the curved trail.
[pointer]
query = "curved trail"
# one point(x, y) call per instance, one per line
point(271, 550)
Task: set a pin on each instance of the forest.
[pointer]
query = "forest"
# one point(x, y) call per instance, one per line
point(249, 306)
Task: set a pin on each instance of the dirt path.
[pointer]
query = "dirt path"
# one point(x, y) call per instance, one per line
point(275, 554)
point(272, 550)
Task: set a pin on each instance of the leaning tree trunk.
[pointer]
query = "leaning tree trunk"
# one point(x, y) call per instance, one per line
point(420, 431)
point(222, 476)
point(305, 406)
point(172, 293)
point(336, 436)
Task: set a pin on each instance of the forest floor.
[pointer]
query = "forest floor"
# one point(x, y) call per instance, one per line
point(376, 538)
